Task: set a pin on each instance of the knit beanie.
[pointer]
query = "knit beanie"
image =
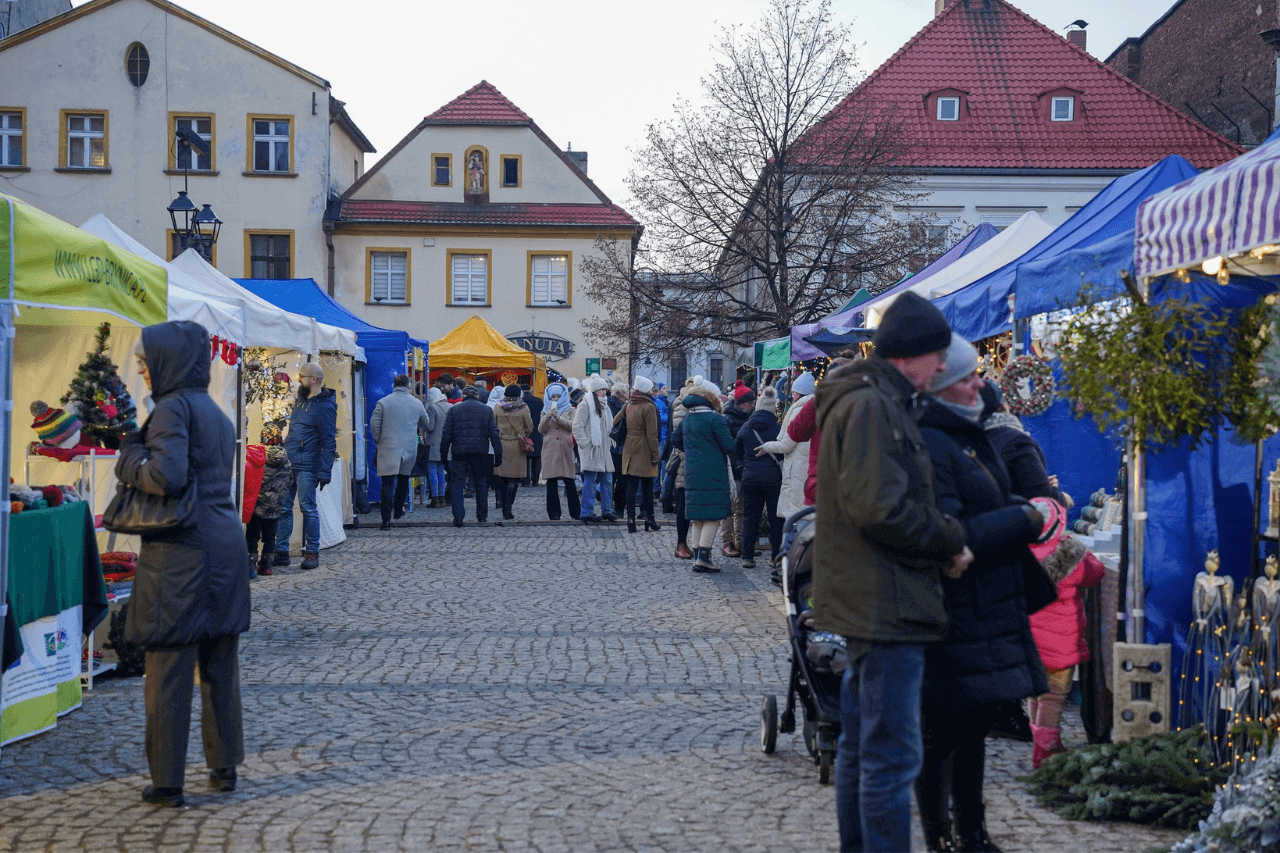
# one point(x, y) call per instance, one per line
point(768, 400)
point(512, 392)
point(962, 359)
point(643, 384)
point(1060, 552)
point(272, 434)
point(471, 391)
point(911, 326)
point(804, 384)
point(53, 426)
point(743, 394)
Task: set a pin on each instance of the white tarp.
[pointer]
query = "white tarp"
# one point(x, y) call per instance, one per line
point(1007, 246)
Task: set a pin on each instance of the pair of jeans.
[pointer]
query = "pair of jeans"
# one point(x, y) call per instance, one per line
point(395, 491)
point(304, 488)
point(590, 479)
point(880, 749)
point(436, 478)
point(480, 468)
point(570, 495)
point(754, 500)
point(646, 495)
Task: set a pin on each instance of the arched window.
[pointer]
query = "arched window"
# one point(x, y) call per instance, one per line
point(137, 62)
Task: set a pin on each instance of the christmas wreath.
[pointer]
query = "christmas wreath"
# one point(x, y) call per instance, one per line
point(1028, 386)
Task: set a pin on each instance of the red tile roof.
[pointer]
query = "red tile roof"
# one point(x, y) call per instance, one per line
point(481, 104)
point(452, 213)
point(1004, 62)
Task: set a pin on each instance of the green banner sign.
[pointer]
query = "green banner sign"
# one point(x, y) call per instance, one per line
point(593, 366)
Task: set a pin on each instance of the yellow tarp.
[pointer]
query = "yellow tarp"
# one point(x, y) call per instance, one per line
point(476, 346)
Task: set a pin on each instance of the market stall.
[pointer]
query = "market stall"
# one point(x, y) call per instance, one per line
point(476, 350)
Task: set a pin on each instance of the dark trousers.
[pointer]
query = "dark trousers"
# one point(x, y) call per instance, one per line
point(394, 487)
point(619, 484)
point(646, 495)
point(682, 520)
point(167, 698)
point(570, 495)
point(954, 760)
point(479, 466)
point(507, 488)
point(533, 469)
point(261, 530)
point(754, 500)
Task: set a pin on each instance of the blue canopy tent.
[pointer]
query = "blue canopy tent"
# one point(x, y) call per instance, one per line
point(386, 350)
point(981, 309)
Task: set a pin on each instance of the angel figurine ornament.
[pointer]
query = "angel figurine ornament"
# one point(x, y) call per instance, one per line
point(1206, 652)
point(1266, 611)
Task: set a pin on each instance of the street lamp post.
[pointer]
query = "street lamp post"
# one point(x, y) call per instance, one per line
point(196, 228)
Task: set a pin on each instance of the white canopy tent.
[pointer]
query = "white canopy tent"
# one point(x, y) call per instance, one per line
point(1009, 245)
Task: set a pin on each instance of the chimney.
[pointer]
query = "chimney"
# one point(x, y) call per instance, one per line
point(579, 159)
point(1077, 37)
point(940, 6)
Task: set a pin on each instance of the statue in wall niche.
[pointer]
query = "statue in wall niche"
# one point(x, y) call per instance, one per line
point(475, 173)
point(1266, 612)
point(1206, 653)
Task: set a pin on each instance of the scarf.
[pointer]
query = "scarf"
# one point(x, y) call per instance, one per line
point(1004, 419)
point(969, 413)
point(597, 435)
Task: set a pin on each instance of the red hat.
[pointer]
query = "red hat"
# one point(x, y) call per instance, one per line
point(742, 394)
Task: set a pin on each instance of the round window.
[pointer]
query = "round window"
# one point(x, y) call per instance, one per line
point(137, 62)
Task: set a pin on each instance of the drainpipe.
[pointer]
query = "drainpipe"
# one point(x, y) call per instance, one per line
point(1272, 38)
point(328, 243)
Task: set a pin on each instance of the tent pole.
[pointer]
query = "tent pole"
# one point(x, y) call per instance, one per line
point(6, 393)
point(1255, 565)
point(242, 438)
point(1138, 530)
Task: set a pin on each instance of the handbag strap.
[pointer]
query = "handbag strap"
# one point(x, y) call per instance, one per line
point(776, 460)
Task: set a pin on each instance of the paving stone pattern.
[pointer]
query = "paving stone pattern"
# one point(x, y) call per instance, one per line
point(525, 687)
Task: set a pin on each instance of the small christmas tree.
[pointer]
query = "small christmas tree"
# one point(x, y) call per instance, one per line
point(103, 403)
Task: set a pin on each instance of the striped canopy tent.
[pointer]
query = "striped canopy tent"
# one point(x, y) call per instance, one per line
point(1231, 212)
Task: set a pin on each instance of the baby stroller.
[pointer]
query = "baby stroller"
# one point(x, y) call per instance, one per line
point(818, 658)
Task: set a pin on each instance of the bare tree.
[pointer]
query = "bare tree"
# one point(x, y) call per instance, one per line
point(765, 205)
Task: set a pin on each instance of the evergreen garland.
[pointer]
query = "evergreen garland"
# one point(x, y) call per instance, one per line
point(1163, 779)
point(102, 401)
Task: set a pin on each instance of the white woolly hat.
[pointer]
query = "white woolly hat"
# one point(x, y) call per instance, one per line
point(643, 384)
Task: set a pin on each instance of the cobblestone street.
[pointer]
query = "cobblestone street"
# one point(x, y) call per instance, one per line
point(548, 687)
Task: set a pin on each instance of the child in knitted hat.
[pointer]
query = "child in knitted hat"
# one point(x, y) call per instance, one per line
point(1059, 629)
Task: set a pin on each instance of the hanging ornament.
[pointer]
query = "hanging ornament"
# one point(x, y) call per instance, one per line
point(1028, 386)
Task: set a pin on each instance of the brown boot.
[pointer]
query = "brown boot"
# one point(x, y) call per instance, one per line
point(682, 552)
point(310, 560)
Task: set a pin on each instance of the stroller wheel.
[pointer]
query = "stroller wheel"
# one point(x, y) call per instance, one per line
point(769, 725)
point(811, 739)
point(824, 766)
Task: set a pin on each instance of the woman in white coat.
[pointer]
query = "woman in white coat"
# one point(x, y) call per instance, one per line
point(795, 455)
point(592, 422)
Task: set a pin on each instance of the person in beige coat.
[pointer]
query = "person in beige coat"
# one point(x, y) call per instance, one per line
point(515, 424)
point(556, 427)
point(640, 452)
point(795, 454)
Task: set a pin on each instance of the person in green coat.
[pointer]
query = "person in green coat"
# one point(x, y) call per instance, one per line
point(706, 443)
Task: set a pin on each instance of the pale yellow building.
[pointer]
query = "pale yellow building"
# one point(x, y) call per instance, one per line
point(90, 102)
point(476, 211)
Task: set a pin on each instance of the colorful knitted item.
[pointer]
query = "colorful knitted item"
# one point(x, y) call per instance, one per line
point(54, 426)
point(53, 495)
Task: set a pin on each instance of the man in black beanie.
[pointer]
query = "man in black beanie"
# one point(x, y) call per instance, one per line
point(880, 548)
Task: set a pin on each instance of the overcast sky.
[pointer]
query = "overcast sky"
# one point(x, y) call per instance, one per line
point(592, 74)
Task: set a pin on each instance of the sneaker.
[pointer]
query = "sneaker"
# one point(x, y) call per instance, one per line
point(281, 558)
point(749, 563)
point(592, 519)
point(222, 779)
point(167, 797)
point(609, 517)
point(731, 551)
point(310, 560)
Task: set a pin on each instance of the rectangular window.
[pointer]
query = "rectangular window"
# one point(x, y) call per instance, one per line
point(271, 145)
point(679, 371)
point(11, 136)
point(549, 280)
point(388, 277)
point(468, 279)
point(187, 157)
point(1064, 109)
point(269, 256)
point(948, 109)
point(441, 170)
point(715, 371)
point(510, 170)
point(86, 141)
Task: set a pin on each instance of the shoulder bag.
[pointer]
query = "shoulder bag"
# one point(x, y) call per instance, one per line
point(619, 431)
point(136, 512)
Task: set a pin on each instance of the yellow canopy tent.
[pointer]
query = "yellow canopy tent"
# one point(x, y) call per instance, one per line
point(476, 349)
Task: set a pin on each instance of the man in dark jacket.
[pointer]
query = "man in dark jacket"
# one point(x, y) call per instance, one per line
point(470, 430)
point(533, 461)
point(311, 444)
point(736, 414)
point(880, 547)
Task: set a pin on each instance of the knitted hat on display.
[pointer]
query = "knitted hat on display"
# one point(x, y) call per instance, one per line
point(54, 426)
point(912, 326)
point(962, 359)
point(804, 384)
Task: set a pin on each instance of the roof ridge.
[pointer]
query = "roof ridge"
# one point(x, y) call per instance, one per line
point(466, 99)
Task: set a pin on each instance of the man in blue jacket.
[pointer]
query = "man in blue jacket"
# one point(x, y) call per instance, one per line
point(311, 445)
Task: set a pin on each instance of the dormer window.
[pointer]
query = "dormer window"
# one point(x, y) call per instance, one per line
point(1063, 109)
point(948, 109)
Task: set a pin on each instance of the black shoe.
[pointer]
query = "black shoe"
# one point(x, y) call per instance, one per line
point(222, 779)
point(631, 524)
point(167, 797)
point(1011, 722)
point(508, 516)
point(609, 517)
point(398, 514)
point(281, 558)
point(553, 518)
point(592, 519)
point(457, 522)
point(975, 842)
point(652, 524)
point(386, 525)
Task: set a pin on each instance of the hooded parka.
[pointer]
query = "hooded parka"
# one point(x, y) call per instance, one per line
point(640, 451)
point(515, 424)
point(438, 406)
point(706, 443)
point(191, 585)
point(312, 442)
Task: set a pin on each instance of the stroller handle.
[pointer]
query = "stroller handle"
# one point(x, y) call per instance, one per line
point(793, 520)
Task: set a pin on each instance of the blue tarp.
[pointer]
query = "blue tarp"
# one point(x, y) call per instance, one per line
point(981, 309)
point(384, 349)
point(1057, 282)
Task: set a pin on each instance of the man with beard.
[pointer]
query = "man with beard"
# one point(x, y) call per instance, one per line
point(313, 427)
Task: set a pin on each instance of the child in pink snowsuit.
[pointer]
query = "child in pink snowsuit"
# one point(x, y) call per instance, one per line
point(1059, 628)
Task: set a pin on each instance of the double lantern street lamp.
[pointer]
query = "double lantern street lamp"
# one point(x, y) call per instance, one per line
point(197, 228)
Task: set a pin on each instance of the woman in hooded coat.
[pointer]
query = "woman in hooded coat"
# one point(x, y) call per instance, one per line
point(190, 599)
point(556, 427)
point(640, 452)
point(438, 405)
point(761, 478)
point(515, 424)
point(704, 438)
point(591, 431)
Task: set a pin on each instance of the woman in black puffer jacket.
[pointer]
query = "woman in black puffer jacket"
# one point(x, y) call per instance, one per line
point(761, 478)
point(988, 655)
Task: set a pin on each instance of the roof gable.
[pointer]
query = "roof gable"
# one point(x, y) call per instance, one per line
point(1004, 61)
